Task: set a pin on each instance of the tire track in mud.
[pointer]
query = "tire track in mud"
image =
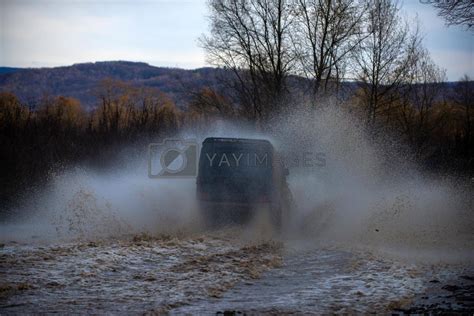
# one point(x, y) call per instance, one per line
point(136, 274)
point(326, 280)
point(218, 272)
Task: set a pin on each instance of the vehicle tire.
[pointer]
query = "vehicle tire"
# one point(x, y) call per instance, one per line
point(287, 204)
point(276, 217)
point(208, 215)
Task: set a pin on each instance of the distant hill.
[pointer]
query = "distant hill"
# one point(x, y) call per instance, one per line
point(6, 70)
point(80, 80)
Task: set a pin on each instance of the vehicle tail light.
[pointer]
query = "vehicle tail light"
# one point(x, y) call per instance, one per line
point(203, 195)
point(263, 198)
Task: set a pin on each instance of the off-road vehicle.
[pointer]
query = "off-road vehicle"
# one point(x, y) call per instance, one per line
point(237, 178)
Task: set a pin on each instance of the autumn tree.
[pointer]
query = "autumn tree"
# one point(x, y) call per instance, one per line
point(210, 104)
point(464, 100)
point(110, 113)
point(13, 115)
point(14, 118)
point(125, 111)
point(61, 113)
point(418, 114)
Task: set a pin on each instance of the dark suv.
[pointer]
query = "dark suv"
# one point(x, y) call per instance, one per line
point(239, 177)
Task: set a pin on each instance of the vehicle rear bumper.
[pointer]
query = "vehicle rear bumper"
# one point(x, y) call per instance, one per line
point(232, 204)
point(225, 212)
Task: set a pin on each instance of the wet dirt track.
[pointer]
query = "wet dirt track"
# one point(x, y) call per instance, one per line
point(213, 273)
point(136, 275)
point(322, 281)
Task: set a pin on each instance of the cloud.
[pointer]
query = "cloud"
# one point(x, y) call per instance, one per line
point(457, 63)
point(161, 32)
point(54, 33)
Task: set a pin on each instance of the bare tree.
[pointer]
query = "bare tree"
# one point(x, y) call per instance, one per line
point(325, 32)
point(420, 94)
point(252, 39)
point(384, 57)
point(456, 12)
point(464, 98)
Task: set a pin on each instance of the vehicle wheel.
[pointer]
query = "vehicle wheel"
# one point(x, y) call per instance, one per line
point(276, 217)
point(287, 204)
point(209, 216)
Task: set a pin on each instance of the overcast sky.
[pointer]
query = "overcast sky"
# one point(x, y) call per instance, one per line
point(46, 33)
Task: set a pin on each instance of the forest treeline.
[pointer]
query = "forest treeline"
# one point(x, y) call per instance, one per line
point(266, 45)
point(59, 131)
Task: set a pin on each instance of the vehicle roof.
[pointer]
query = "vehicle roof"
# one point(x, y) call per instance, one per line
point(236, 140)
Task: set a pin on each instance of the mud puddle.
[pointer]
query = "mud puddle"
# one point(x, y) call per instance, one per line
point(216, 272)
point(328, 280)
point(130, 275)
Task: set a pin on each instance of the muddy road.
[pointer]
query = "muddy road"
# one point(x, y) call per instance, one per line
point(135, 274)
point(364, 236)
point(215, 272)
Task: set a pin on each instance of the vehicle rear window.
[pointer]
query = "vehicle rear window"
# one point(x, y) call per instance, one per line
point(241, 160)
